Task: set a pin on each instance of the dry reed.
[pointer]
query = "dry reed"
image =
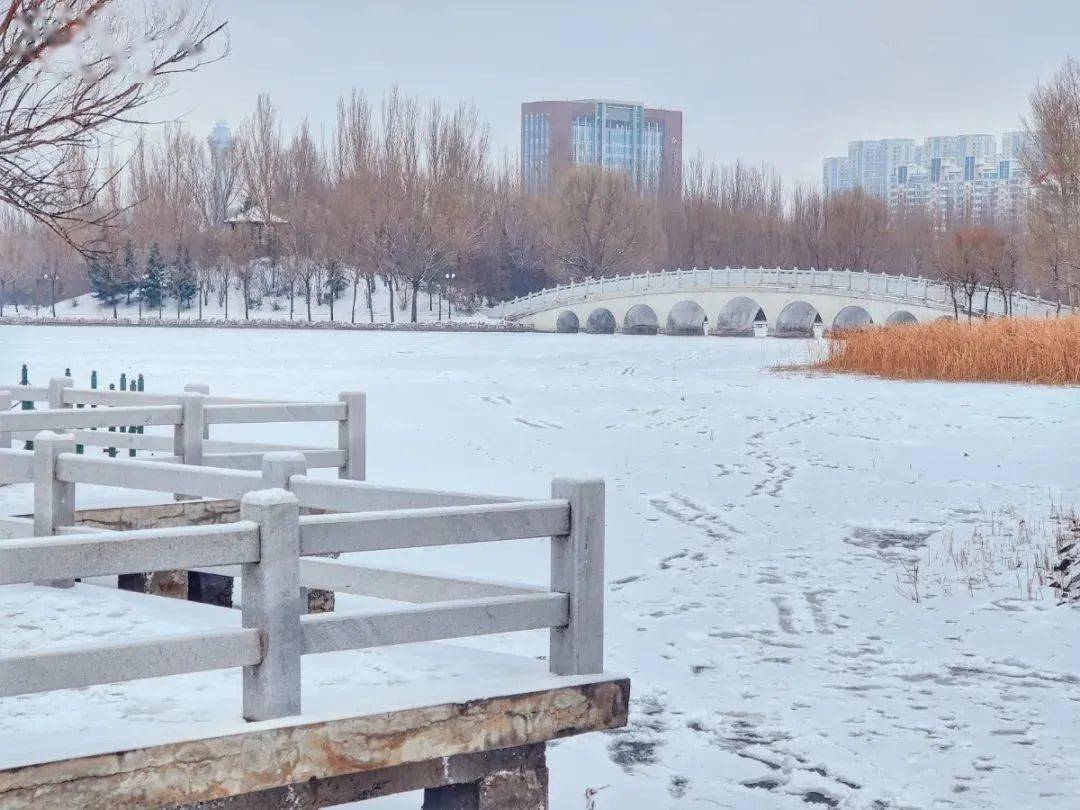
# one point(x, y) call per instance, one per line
point(1045, 352)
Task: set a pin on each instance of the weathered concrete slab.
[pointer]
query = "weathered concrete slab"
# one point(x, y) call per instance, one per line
point(272, 755)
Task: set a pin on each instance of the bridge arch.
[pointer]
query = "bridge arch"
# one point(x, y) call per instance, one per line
point(797, 319)
point(600, 322)
point(686, 318)
point(852, 317)
point(901, 316)
point(641, 320)
point(567, 323)
point(738, 317)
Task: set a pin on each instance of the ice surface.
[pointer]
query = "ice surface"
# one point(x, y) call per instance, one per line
point(762, 528)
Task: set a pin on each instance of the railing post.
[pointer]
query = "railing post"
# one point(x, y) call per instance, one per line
point(577, 569)
point(54, 500)
point(204, 389)
point(56, 391)
point(352, 435)
point(6, 402)
point(270, 603)
point(188, 435)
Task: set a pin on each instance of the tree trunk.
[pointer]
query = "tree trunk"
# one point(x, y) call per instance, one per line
point(390, 292)
point(369, 284)
point(415, 290)
point(355, 284)
point(113, 310)
point(292, 298)
point(247, 297)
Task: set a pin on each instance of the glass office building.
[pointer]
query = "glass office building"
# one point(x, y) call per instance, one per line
point(644, 143)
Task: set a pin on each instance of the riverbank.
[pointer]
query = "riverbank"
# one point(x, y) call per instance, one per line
point(273, 323)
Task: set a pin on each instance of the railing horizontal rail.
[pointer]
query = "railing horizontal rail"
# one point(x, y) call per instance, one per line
point(314, 459)
point(156, 476)
point(122, 441)
point(69, 418)
point(390, 584)
point(435, 621)
point(89, 555)
point(360, 496)
point(16, 466)
point(95, 396)
point(291, 412)
point(28, 393)
point(14, 528)
point(402, 586)
point(439, 526)
point(176, 654)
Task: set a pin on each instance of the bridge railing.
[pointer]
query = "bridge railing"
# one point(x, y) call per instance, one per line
point(909, 289)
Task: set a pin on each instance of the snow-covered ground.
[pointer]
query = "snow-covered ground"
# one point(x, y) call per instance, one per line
point(818, 585)
point(269, 307)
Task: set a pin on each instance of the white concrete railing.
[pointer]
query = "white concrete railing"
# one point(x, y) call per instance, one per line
point(904, 288)
point(125, 413)
point(269, 544)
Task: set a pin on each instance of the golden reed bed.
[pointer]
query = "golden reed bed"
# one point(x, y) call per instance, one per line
point(1045, 352)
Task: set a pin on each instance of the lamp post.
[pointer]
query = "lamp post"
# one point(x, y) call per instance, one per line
point(449, 295)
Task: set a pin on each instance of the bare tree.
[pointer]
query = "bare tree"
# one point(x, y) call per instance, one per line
point(73, 73)
point(598, 224)
point(1052, 161)
point(434, 170)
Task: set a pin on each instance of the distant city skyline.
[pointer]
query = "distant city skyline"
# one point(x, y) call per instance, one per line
point(762, 83)
point(965, 177)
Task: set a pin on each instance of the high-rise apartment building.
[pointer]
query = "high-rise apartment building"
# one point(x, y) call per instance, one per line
point(1013, 145)
point(622, 136)
point(951, 178)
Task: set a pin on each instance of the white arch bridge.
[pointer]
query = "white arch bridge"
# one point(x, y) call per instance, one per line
point(737, 302)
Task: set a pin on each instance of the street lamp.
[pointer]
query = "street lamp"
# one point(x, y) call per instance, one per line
point(449, 297)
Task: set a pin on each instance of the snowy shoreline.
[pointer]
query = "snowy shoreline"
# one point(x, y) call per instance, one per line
point(273, 323)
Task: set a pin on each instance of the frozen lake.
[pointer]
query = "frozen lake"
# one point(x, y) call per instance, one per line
point(816, 583)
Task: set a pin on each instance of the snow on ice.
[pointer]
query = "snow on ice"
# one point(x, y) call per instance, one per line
point(826, 589)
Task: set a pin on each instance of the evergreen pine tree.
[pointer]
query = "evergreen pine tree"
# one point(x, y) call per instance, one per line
point(105, 283)
point(152, 284)
point(129, 273)
point(182, 285)
point(336, 280)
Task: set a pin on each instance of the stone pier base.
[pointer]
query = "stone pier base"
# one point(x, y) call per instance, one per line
point(515, 779)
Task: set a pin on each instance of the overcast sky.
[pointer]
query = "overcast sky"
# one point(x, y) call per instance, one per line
point(780, 81)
